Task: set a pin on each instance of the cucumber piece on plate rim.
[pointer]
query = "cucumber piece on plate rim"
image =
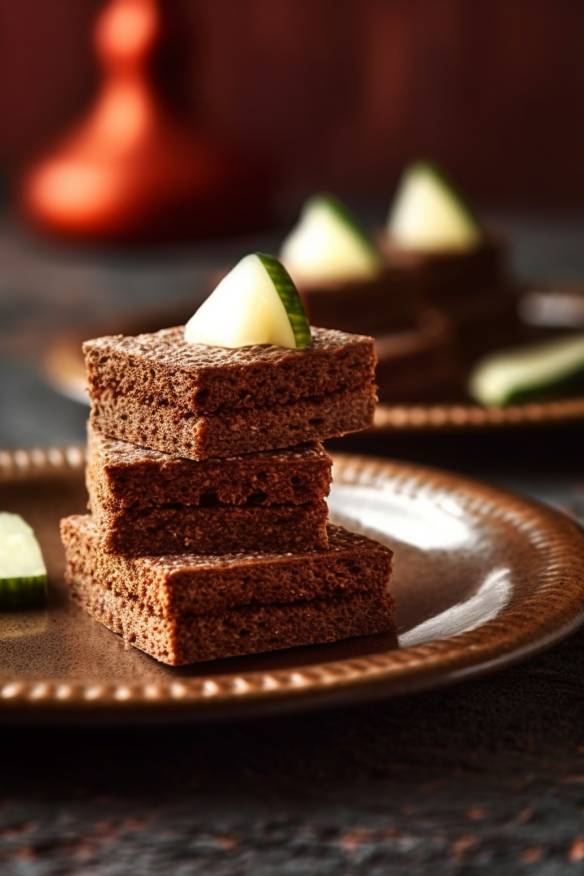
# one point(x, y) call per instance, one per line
point(23, 574)
point(540, 371)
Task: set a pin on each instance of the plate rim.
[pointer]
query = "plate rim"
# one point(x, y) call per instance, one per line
point(465, 416)
point(524, 631)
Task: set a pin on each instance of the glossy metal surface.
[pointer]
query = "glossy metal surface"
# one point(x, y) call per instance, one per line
point(482, 579)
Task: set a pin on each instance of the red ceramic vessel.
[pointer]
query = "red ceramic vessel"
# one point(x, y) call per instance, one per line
point(133, 169)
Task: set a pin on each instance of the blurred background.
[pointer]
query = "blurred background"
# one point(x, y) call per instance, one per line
point(338, 94)
point(145, 145)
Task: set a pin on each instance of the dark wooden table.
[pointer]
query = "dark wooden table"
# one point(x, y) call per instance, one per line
point(484, 778)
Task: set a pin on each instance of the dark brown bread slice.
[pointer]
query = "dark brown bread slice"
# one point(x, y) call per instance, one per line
point(163, 370)
point(190, 608)
point(420, 365)
point(388, 302)
point(218, 530)
point(451, 278)
point(122, 475)
point(190, 584)
point(246, 430)
point(473, 289)
point(241, 631)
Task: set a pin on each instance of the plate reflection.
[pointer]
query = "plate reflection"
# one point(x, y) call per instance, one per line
point(417, 521)
point(484, 605)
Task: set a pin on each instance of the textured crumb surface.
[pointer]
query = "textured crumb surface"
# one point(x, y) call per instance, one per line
point(174, 585)
point(239, 631)
point(249, 629)
point(121, 475)
point(214, 530)
point(162, 369)
point(245, 430)
point(182, 609)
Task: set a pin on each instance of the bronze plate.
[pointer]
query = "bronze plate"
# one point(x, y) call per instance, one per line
point(482, 579)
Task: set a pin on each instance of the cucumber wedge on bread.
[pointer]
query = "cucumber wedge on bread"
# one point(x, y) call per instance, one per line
point(429, 214)
point(256, 303)
point(329, 244)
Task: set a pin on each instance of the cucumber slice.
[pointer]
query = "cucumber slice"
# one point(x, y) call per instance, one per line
point(428, 213)
point(329, 244)
point(256, 303)
point(23, 575)
point(548, 370)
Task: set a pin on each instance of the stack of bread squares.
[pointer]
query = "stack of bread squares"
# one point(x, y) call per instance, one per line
point(208, 534)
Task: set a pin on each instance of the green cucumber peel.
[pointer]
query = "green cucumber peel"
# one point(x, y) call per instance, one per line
point(288, 293)
point(23, 592)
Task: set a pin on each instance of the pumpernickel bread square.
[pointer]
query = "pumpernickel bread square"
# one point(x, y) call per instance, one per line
point(121, 475)
point(148, 502)
point(198, 402)
point(214, 530)
point(188, 608)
